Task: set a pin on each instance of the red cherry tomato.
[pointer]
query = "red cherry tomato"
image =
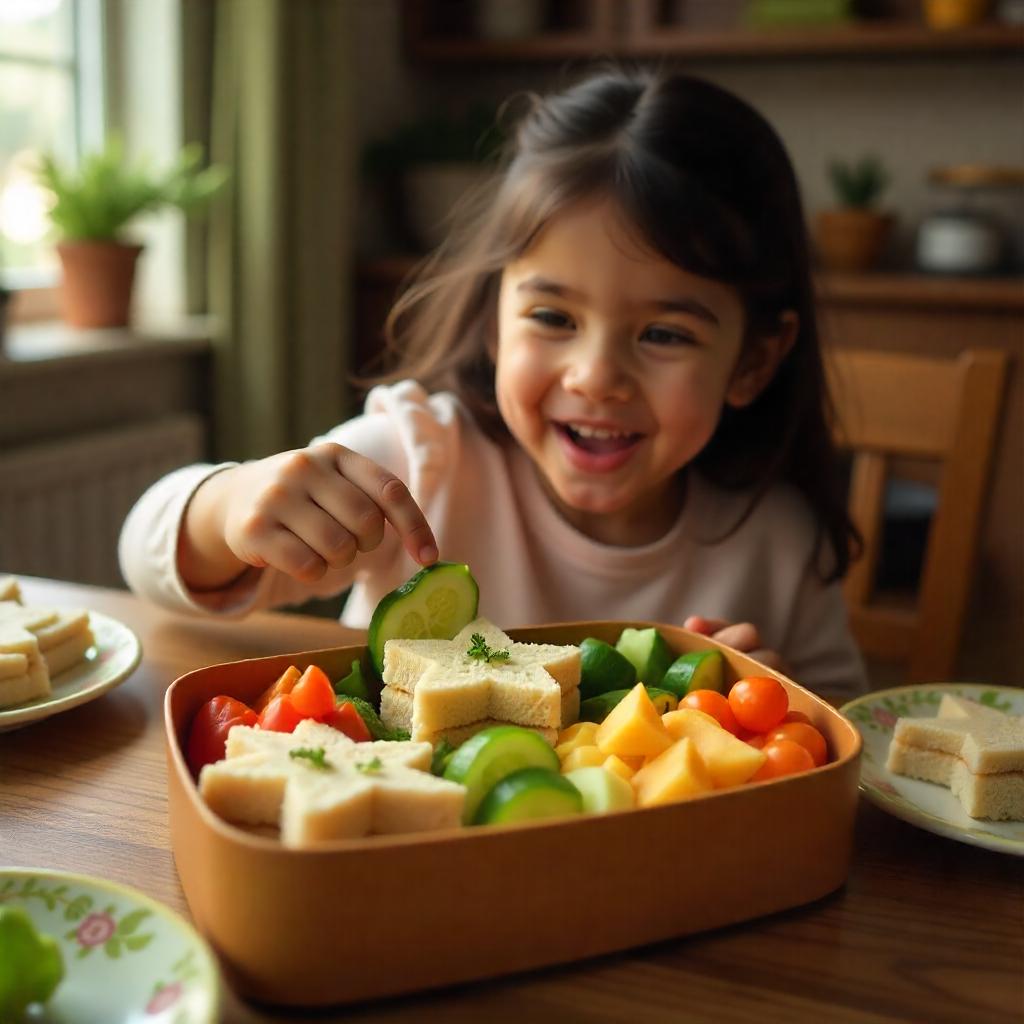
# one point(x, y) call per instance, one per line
point(797, 716)
point(782, 757)
point(210, 727)
point(346, 719)
point(758, 702)
point(806, 735)
point(313, 695)
point(280, 715)
point(712, 703)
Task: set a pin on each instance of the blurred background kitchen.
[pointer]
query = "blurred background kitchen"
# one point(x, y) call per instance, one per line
point(271, 170)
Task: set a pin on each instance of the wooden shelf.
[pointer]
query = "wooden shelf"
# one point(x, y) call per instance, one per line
point(869, 39)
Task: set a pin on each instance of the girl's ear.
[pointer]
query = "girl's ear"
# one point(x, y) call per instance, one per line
point(759, 361)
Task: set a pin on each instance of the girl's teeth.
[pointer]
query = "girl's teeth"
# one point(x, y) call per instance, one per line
point(597, 432)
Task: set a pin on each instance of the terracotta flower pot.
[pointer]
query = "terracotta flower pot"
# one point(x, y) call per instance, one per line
point(98, 278)
point(852, 239)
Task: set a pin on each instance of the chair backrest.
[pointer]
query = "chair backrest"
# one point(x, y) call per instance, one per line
point(891, 406)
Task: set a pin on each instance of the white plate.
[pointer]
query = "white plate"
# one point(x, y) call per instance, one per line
point(111, 660)
point(926, 804)
point(127, 958)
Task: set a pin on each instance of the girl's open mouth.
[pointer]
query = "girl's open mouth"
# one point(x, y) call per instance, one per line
point(595, 450)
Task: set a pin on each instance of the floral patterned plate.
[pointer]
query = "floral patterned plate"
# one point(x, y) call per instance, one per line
point(926, 804)
point(111, 660)
point(127, 958)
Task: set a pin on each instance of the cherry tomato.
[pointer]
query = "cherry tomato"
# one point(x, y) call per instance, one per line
point(712, 703)
point(313, 695)
point(280, 715)
point(758, 702)
point(756, 739)
point(284, 683)
point(346, 719)
point(210, 727)
point(783, 757)
point(806, 735)
point(797, 716)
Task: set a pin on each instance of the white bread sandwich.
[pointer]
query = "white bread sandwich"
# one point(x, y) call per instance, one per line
point(317, 785)
point(452, 689)
point(23, 674)
point(977, 751)
point(64, 634)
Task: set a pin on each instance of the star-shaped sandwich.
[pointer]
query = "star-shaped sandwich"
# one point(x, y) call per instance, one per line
point(452, 689)
point(977, 751)
point(316, 785)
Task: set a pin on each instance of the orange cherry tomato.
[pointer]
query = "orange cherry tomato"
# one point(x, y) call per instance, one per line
point(712, 703)
point(782, 757)
point(806, 735)
point(346, 719)
point(280, 715)
point(758, 702)
point(284, 683)
point(797, 716)
point(313, 695)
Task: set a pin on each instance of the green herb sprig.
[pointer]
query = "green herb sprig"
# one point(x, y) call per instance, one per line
point(372, 767)
point(479, 649)
point(316, 756)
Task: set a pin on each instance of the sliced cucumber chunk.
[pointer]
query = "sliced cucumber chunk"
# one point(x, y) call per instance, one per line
point(486, 758)
point(648, 652)
point(528, 795)
point(603, 668)
point(437, 602)
point(597, 709)
point(698, 670)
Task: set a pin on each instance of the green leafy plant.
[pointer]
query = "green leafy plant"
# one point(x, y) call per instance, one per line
point(107, 191)
point(858, 184)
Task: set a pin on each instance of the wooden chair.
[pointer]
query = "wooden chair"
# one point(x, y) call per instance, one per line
point(891, 406)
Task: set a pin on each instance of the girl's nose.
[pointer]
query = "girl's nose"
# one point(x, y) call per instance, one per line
point(596, 369)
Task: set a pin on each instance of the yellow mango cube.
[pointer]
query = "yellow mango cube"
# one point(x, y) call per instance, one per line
point(633, 727)
point(617, 766)
point(677, 774)
point(583, 757)
point(581, 732)
point(574, 737)
point(729, 760)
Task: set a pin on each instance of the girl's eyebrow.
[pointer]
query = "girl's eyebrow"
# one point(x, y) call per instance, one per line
point(687, 304)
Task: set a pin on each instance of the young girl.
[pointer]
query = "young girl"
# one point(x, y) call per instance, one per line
point(610, 405)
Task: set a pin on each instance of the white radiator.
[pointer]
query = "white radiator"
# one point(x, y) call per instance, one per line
point(62, 503)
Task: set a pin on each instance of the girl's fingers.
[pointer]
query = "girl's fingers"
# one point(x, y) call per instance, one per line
point(283, 550)
point(742, 636)
point(772, 659)
point(392, 497)
point(344, 502)
point(698, 624)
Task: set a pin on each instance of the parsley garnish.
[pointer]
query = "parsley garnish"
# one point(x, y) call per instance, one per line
point(315, 755)
point(479, 649)
point(370, 767)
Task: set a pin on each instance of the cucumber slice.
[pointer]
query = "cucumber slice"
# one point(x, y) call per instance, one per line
point(698, 670)
point(663, 700)
point(603, 668)
point(486, 758)
point(602, 791)
point(437, 602)
point(528, 795)
point(648, 652)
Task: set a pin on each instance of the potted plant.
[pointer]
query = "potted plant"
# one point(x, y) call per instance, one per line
point(427, 165)
point(853, 235)
point(91, 209)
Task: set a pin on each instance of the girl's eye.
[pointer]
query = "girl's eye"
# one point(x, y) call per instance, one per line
point(667, 336)
point(550, 318)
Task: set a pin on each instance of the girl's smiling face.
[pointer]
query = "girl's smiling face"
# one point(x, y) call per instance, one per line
point(613, 365)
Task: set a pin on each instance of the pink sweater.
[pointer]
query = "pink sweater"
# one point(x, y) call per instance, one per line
point(487, 509)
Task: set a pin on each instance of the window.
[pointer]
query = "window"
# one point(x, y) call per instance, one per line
point(51, 99)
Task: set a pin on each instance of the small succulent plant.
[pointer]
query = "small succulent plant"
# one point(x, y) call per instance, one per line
point(858, 184)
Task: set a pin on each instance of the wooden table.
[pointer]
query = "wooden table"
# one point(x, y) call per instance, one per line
point(925, 928)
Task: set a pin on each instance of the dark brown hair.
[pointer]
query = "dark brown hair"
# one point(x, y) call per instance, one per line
point(709, 186)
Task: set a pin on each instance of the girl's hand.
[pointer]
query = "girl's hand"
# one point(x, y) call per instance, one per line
point(302, 512)
point(743, 636)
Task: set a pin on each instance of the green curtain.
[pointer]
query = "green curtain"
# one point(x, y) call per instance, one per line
point(268, 85)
